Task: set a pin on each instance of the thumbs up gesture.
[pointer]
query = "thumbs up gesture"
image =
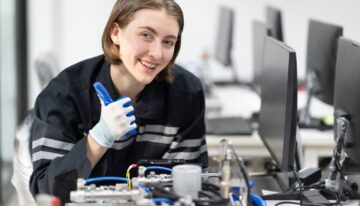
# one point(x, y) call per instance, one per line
point(117, 119)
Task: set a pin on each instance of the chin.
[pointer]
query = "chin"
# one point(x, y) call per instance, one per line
point(145, 80)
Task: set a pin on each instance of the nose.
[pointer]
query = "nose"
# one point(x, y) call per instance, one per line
point(155, 50)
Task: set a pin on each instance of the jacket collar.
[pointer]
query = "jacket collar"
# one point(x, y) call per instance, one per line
point(151, 100)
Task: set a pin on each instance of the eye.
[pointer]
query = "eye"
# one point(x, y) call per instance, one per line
point(146, 36)
point(169, 43)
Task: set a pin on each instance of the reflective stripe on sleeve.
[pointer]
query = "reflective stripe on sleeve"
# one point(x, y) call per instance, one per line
point(56, 144)
point(166, 130)
point(41, 155)
point(154, 138)
point(185, 155)
point(186, 143)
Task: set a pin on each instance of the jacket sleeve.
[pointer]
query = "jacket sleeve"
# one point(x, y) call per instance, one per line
point(190, 143)
point(58, 146)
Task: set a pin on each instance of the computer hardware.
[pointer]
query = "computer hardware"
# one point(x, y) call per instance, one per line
point(321, 61)
point(228, 126)
point(274, 22)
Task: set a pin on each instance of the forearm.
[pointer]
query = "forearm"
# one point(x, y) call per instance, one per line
point(94, 150)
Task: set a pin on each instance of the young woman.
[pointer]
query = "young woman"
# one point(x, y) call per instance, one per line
point(155, 109)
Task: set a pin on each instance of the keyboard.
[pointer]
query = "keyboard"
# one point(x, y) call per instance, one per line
point(228, 126)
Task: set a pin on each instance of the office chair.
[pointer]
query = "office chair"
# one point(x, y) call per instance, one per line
point(46, 69)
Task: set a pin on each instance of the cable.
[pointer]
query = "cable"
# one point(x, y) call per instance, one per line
point(212, 188)
point(159, 168)
point(318, 185)
point(300, 186)
point(202, 193)
point(160, 200)
point(159, 191)
point(128, 174)
point(257, 200)
point(306, 204)
point(108, 178)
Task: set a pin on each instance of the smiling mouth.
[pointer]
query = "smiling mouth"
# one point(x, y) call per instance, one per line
point(148, 65)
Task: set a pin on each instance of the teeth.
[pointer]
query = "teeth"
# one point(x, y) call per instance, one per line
point(152, 66)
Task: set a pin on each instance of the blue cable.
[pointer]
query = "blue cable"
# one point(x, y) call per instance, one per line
point(162, 199)
point(108, 178)
point(257, 200)
point(158, 168)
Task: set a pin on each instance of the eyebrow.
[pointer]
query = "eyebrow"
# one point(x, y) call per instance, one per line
point(156, 33)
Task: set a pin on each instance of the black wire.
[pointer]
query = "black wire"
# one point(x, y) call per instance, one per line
point(318, 185)
point(203, 193)
point(208, 184)
point(158, 190)
point(212, 188)
point(306, 204)
point(300, 186)
point(217, 201)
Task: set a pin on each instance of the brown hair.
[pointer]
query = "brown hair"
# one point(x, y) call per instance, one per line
point(122, 14)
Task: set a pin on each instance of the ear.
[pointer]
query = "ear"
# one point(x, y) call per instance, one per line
point(115, 33)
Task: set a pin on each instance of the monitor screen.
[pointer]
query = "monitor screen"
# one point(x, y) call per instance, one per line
point(278, 112)
point(347, 93)
point(224, 36)
point(260, 31)
point(274, 22)
point(321, 57)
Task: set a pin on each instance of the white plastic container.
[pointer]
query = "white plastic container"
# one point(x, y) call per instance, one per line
point(187, 180)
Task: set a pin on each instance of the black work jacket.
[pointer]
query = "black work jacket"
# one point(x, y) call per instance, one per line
point(170, 120)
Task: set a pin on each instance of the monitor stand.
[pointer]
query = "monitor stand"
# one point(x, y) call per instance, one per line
point(305, 119)
point(233, 80)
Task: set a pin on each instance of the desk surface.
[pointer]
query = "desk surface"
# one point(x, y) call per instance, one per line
point(315, 145)
point(242, 101)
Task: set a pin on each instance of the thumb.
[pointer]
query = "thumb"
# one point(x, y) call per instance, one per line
point(102, 93)
point(101, 101)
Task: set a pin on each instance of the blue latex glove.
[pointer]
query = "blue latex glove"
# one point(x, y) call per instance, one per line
point(117, 119)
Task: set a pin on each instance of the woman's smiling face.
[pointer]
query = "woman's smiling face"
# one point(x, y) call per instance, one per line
point(147, 43)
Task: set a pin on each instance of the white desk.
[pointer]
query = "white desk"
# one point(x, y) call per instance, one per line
point(242, 101)
point(315, 145)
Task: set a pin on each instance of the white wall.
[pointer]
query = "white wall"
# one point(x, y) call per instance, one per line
point(72, 29)
point(7, 75)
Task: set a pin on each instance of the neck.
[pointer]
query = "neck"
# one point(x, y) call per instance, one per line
point(125, 83)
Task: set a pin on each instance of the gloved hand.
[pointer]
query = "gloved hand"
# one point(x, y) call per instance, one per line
point(117, 118)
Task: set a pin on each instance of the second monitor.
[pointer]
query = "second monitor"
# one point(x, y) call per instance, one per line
point(278, 114)
point(320, 74)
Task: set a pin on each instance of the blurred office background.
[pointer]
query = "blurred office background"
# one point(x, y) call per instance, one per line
point(71, 31)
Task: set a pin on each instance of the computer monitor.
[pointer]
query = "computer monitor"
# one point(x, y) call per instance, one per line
point(224, 42)
point(224, 39)
point(278, 112)
point(347, 93)
point(321, 61)
point(260, 31)
point(274, 22)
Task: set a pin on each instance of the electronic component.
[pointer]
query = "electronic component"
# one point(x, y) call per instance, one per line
point(150, 188)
